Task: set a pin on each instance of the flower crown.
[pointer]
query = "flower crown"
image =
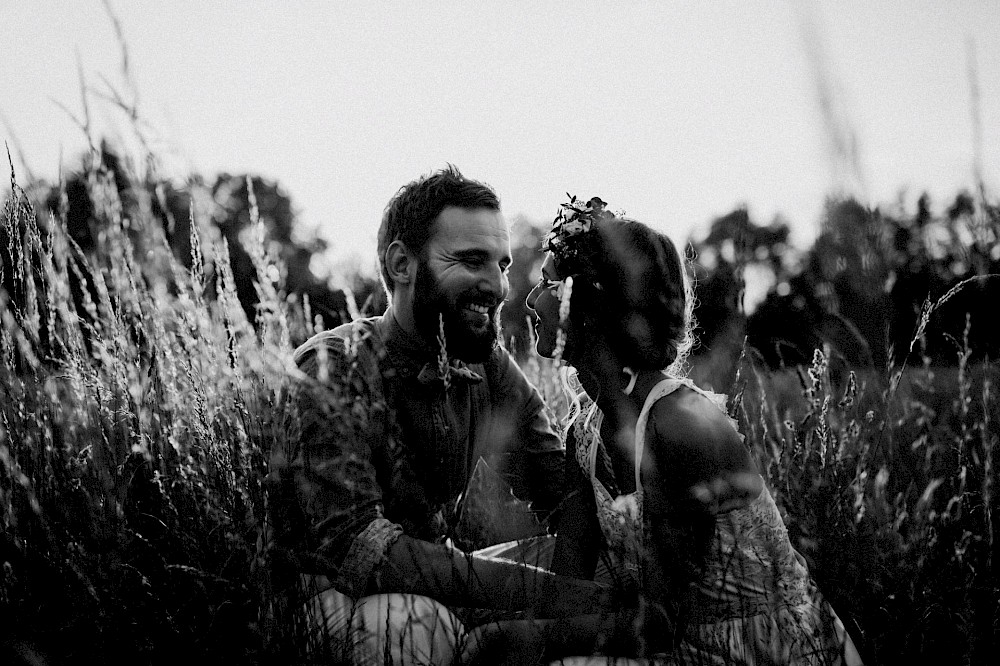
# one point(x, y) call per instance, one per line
point(568, 238)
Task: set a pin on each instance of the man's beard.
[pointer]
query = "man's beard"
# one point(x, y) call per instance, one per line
point(463, 342)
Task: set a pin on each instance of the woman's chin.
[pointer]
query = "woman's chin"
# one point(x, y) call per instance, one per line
point(544, 349)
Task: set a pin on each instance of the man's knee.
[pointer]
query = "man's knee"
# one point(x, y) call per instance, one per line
point(390, 628)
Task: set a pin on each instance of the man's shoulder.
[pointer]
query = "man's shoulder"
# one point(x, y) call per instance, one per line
point(335, 341)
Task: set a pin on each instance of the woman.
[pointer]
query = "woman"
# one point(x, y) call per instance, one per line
point(661, 485)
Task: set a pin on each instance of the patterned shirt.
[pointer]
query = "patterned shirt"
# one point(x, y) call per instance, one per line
point(401, 469)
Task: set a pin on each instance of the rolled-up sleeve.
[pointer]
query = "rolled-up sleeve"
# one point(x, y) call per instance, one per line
point(344, 535)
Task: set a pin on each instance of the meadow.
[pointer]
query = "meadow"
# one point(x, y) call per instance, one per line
point(141, 411)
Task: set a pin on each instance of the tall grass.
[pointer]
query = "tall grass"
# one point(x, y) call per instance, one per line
point(885, 481)
point(135, 424)
point(138, 415)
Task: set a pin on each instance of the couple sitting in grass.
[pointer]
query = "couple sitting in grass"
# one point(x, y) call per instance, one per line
point(668, 548)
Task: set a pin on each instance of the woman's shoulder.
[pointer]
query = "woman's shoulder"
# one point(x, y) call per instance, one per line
point(698, 452)
point(694, 423)
point(684, 403)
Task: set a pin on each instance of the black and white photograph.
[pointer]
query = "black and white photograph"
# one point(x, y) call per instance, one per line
point(499, 333)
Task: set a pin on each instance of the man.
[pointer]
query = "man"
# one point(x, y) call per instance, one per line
point(379, 504)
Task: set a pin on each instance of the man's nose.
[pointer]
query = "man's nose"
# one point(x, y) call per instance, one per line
point(495, 282)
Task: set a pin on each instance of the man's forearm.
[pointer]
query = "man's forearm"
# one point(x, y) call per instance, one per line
point(460, 579)
point(455, 577)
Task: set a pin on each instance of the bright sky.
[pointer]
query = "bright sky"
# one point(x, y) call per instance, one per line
point(675, 112)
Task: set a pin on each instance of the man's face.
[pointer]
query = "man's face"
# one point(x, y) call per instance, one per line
point(463, 276)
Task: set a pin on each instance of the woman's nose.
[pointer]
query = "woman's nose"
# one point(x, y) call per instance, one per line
point(532, 298)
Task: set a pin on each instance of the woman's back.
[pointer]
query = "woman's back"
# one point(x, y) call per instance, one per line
point(710, 545)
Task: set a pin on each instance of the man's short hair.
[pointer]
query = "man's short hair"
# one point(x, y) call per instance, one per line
point(410, 214)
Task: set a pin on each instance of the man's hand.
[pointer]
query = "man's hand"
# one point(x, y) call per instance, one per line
point(505, 642)
point(531, 641)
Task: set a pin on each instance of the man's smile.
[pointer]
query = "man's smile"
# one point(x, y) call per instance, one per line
point(477, 315)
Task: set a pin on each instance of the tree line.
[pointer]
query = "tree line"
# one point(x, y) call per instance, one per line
point(870, 281)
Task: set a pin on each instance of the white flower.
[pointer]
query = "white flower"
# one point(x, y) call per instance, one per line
point(627, 505)
point(565, 293)
point(574, 227)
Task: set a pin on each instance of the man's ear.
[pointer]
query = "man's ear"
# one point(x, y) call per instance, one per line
point(400, 263)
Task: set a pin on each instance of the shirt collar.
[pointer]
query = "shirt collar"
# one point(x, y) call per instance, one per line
point(410, 355)
point(407, 351)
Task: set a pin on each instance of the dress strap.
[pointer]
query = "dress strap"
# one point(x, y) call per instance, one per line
point(586, 423)
point(663, 387)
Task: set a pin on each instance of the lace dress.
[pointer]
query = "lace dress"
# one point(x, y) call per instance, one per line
point(754, 602)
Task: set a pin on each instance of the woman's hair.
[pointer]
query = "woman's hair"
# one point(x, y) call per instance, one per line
point(631, 286)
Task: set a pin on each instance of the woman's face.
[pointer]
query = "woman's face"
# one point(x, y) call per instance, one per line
point(543, 300)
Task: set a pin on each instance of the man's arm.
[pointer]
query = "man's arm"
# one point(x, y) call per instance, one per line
point(536, 472)
point(462, 579)
point(367, 553)
point(352, 542)
point(343, 534)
